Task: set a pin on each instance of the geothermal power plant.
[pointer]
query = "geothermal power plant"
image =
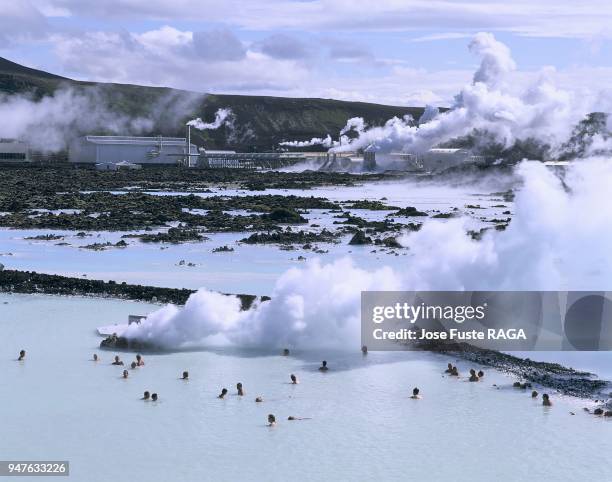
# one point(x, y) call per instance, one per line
point(132, 152)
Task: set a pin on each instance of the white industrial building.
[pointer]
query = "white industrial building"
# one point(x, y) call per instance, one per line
point(135, 150)
point(12, 150)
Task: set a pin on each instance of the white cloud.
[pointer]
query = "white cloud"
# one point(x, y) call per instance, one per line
point(563, 18)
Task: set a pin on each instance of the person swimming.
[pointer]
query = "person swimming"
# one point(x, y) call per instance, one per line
point(239, 388)
point(271, 420)
point(473, 376)
point(534, 394)
point(480, 374)
point(223, 393)
point(415, 394)
point(133, 365)
point(259, 399)
point(154, 397)
point(449, 368)
point(185, 375)
point(286, 352)
point(95, 357)
point(323, 367)
point(294, 380)
point(22, 355)
point(454, 372)
point(146, 395)
point(139, 360)
point(364, 349)
point(117, 361)
point(546, 400)
point(125, 374)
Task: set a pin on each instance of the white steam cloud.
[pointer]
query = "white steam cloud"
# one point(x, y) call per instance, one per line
point(49, 123)
point(559, 239)
point(488, 104)
point(315, 141)
point(223, 116)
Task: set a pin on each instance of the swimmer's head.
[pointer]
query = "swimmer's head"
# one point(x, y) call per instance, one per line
point(286, 352)
point(116, 357)
point(415, 391)
point(133, 365)
point(138, 357)
point(154, 397)
point(185, 375)
point(293, 378)
point(534, 394)
point(259, 399)
point(95, 357)
point(125, 374)
point(364, 349)
point(271, 419)
point(324, 363)
point(146, 395)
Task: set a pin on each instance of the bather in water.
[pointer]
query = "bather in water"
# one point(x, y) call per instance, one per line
point(323, 367)
point(546, 400)
point(294, 379)
point(185, 375)
point(139, 360)
point(22, 355)
point(415, 394)
point(146, 395)
point(117, 361)
point(223, 393)
point(239, 388)
point(473, 376)
point(271, 420)
point(125, 374)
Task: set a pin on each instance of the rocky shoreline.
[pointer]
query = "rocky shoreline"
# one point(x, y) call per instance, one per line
point(31, 282)
point(566, 381)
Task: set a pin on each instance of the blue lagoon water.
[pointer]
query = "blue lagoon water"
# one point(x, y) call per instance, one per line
point(58, 404)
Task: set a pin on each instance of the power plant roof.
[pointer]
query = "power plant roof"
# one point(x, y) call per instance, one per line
point(136, 140)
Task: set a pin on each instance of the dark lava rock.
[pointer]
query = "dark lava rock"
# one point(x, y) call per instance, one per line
point(359, 238)
point(409, 211)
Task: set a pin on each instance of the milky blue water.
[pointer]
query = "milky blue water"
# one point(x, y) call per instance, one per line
point(58, 404)
point(249, 269)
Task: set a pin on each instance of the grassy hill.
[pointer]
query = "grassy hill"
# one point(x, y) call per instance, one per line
point(260, 122)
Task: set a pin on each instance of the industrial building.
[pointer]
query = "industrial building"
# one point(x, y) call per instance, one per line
point(14, 151)
point(212, 159)
point(135, 150)
point(430, 161)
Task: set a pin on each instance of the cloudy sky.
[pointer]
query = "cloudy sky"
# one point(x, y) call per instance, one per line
point(401, 52)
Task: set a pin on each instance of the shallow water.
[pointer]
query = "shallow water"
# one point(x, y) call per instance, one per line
point(249, 269)
point(60, 405)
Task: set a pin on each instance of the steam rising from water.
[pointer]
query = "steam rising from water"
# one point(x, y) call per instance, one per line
point(558, 239)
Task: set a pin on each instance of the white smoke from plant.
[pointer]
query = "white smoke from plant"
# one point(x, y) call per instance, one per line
point(48, 124)
point(558, 239)
point(223, 116)
point(541, 111)
point(315, 141)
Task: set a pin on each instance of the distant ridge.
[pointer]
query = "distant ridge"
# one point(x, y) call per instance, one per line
point(261, 122)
